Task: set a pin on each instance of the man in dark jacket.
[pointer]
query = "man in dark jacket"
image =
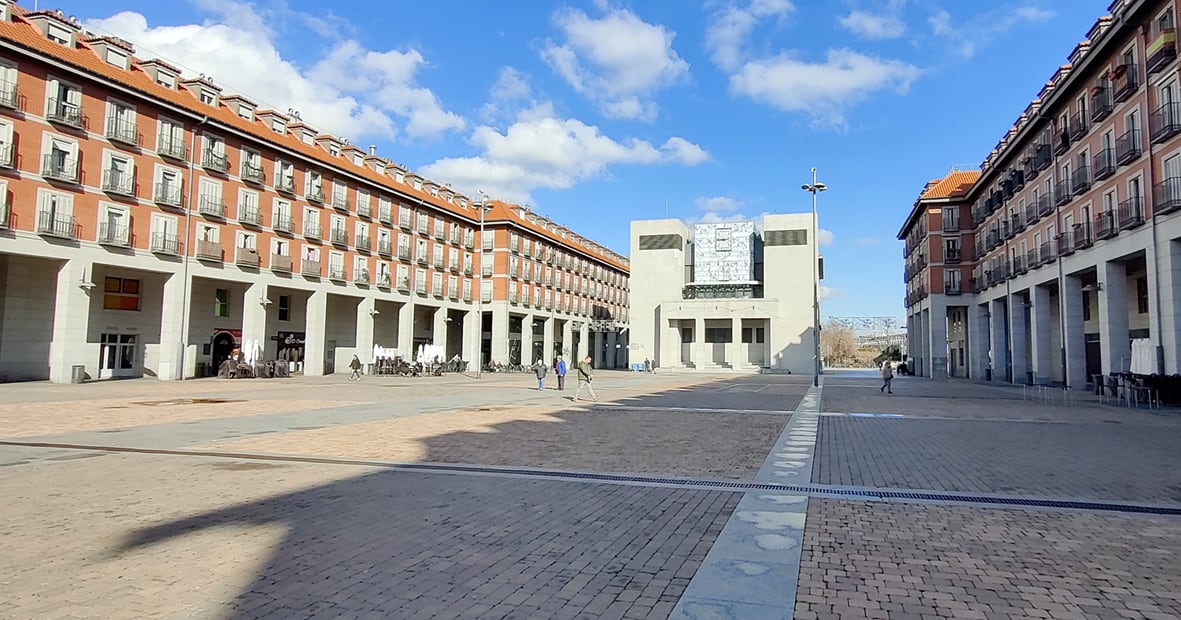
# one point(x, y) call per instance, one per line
point(585, 375)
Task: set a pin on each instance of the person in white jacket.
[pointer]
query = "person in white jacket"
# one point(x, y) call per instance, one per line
point(887, 377)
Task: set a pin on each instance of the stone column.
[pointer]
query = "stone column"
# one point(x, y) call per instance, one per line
point(997, 322)
point(365, 319)
point(1018, 339)
point(1168, 335)
point(527, 340)
point(172, 329)
point(439, 328)
point(567, 340)
point(471, 338)
point(314, 343)
point(978, 341)
point(547, 341)
point(925, 343)
point(612, 351)
point(1114, 346)
point(735, 350)
point(71, 319)
point(406, 331)
point(500, 336)
point(700, 356)
point(1045, 355)
point(254, 314)
point(583, 340)
point(1076, 340)
point(669, 355)
point(937, 319)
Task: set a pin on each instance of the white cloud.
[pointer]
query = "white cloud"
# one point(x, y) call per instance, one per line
point(824, 89)
point(368, 97)
point(620, 61)
point(828, 292)
point(825, 237)
point(713, 217)
point(873, 25)
point(718, 204)
point(543, 150)
point(727, 33)
point(977, 32)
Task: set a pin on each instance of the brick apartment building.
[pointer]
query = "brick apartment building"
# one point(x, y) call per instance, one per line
point(1061, 258)
point(150, 224)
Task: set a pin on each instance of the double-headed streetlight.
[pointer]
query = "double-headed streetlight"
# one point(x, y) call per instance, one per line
point(814, 188)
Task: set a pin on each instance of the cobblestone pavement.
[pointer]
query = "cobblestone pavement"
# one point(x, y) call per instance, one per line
point(114, 536)
point(679, 443)
point(911, 561)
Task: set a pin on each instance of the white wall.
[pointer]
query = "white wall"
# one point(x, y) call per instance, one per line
point(29, 288)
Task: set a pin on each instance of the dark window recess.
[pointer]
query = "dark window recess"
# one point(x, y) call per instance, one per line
point(687, 335)
point(284, 307)
point(661, 242)
point(753, 335)
point(786, 237)
point(1086, 306)
point(718, 335)
point(1142, 295)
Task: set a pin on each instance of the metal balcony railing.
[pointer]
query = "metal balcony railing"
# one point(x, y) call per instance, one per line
point(1032, 260)
point(60, 168)
point(6, 154)
point(1166, 196)
point(1078, 126)
point(951, 257)
point(1105, 226)
point(1066, 243)
point(1131, 212)
point(1104, 163)
point(285, 185)
point(404, 283)
point(385, 247)
point(362, 244)
point(1081, 179)
point(1082, 236)
point(311, 230)
point(120, 130)
point(951, 225)
point(361, 276)
point(65, 113)
point(1127, 147)
point(165, 243)
point(169, 195)
point(1125, 82)
point(248, 214)
point(385, 215)
point(214, 161)
point(1101, 104)
point(174, 149)
point(8, 95)
point(253, 174)
point(1161, 50)
point(245, 257)
point(383, 280)
point(310, 268)
point(364, 210)
point(1164, 122)
point(340, 202)
point(211, 206)
point(114, 235)
point(117, 182)
point(315, 195)
point(1062, 192)
point(282, 223)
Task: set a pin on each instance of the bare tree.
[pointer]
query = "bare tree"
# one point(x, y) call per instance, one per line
point(838, 345)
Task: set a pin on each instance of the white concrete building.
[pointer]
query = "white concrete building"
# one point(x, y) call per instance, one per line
point(724, 296)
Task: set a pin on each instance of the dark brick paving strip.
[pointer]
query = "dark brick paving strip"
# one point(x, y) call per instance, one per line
point(401, 545)
point(1118, 462)
point(904, 561)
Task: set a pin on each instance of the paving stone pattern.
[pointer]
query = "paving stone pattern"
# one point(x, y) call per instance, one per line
point(1127, 462)
point(915, 561)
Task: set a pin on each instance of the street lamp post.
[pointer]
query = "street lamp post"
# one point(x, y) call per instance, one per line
point(815, 188)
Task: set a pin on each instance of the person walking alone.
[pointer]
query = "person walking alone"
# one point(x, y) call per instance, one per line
point(887, 377)
point(356, 366)
point(560, 370)
point(539, 369)
point(585, 375)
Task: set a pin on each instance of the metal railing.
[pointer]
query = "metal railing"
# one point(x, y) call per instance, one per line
point(1127, 146)
point(363, 244)
point(1104, 163)
point(249, 214)
point(315, 195)
point(209, 250)
point(285, 185)
point(6, 154)
point(114, 234)
point(1131, 212)
point(1105, 226)
point(65, 113)
point(165, 243)
point(1101, 104)
point(60, 168)
point(1081, 179)
point(311, 230)
point(8, 94)
point(1166, 196)
point(340, 203)
point(117, 182)
point(339, 236)
point(336, 272)
point(1125, 82)
point(215, 162)
point(361, 276)
point(253, 174)
point(385, 248)
point(172, 148)
point(282, 223)
point(121, 130)
point(169, 195)
point(211, 206)
point(1164, 122)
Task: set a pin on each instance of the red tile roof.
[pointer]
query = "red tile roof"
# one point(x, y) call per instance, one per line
point(24, 34)
point(951, 186)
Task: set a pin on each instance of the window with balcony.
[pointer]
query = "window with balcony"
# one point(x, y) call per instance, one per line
point(208, 242)
point(280, 255)
point(210, 203)
point(336, 266)
point(423, 223)
point(1162, 47)
point(421, 251)
point(7, 147)
point(420, 281)
point(403, 277)
point(164, 239)
point(437, 256)
point(340, 196)
point(213, 154)
point(119, 174)
point(313, 190)
point(284, 177)
point(60, 160)
point(403, 246)
point(121, 125)
point(114, 225)
point(281, 218)
point(252, 167)
point(168, 190)
point(170, 140)
point(63, 105)
point(340, 234)
point(361, 270)
point(311, 223)
point(385, 245)
point(363, 203)
point(9, 97)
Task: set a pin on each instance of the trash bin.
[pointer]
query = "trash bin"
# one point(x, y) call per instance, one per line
point(77, 374)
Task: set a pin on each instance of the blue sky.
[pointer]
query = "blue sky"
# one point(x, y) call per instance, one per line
point(597, 112)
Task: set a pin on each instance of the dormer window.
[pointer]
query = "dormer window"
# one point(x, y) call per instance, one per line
point(334, 150)
point(358, 159)
point(245, 112)
point(207, 97)
point(166, 80)
point(278, 126)
point(59, 34)
point(117, 57)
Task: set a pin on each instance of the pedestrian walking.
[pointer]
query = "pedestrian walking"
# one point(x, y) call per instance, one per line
point(356, 366)
point(560, 370)
point(887, 377)
point(540, 369)
point(585, 375)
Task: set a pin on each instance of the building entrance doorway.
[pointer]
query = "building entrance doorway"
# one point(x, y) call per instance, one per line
point(223, 348)
point(117, 356)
